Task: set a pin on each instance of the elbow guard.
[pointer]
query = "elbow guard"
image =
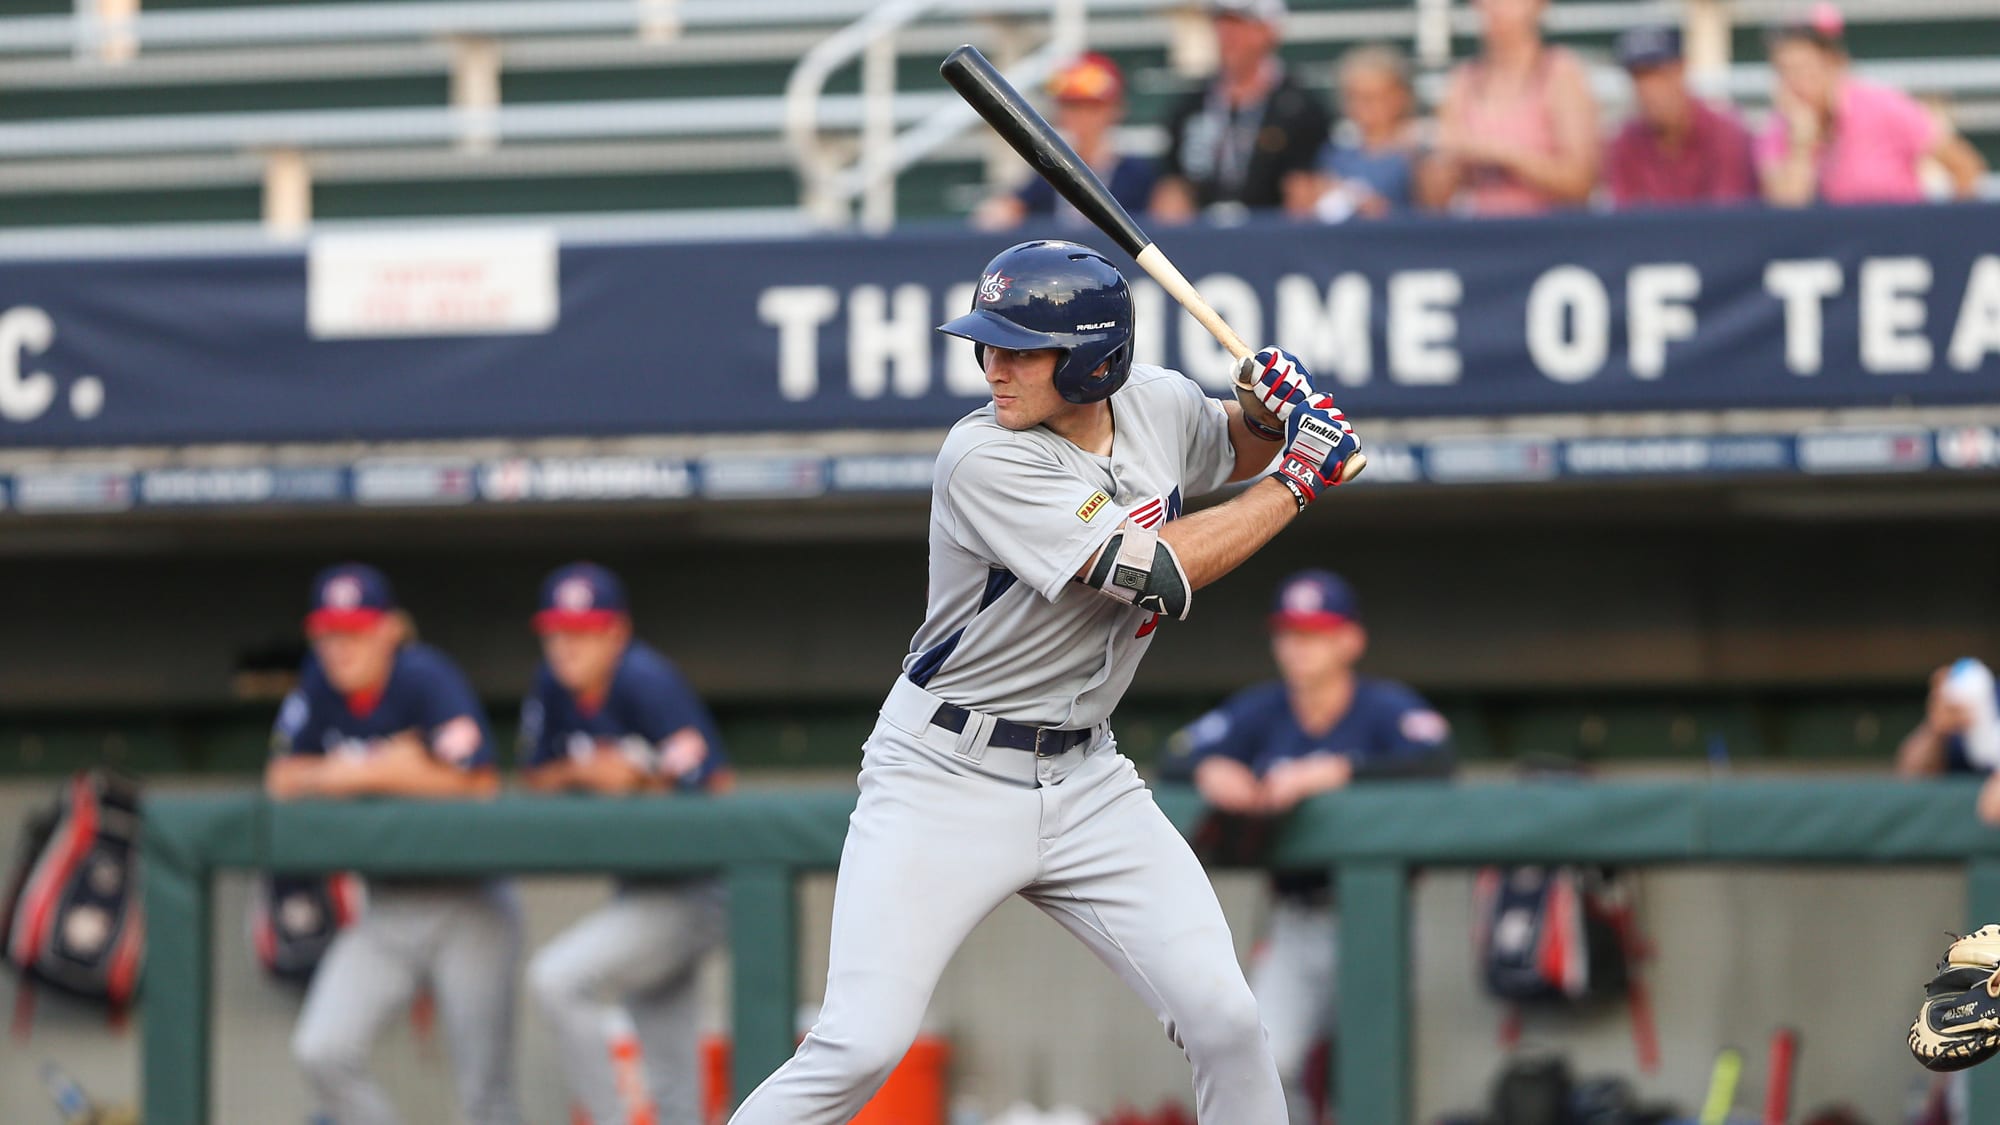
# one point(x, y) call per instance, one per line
point(1137, 568)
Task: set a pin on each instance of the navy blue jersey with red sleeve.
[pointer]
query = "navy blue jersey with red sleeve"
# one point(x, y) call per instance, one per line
point(649, 702)
point(426, 695)
point(1388, 731)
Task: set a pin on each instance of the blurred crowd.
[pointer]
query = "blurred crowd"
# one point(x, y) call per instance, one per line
point(1517, 131)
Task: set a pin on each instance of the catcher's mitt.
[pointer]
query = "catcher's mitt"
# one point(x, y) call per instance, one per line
point(1959, 1023)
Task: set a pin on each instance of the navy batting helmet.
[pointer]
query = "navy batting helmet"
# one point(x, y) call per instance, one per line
point(1052, 294)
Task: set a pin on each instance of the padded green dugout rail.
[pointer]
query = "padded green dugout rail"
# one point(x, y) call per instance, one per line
point(1371, 838)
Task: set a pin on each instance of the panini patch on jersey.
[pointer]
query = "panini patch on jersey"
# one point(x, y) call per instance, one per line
point(1088, 511)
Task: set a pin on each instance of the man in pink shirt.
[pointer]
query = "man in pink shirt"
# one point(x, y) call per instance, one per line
point(1834, 138)
point(1676, 151)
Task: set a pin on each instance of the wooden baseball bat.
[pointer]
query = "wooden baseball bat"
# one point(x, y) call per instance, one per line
point(1025, 131)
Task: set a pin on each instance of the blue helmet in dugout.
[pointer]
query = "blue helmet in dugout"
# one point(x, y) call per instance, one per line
point(1054, 294)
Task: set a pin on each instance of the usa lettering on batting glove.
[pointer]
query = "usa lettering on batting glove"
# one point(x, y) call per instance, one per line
point(1278, 381)
point(1318, 442)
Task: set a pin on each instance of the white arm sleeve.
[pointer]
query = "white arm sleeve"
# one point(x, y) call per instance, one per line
point(1209, 457)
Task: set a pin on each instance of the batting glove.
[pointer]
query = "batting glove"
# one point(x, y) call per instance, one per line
point(1318, 443)
point(1271, 384)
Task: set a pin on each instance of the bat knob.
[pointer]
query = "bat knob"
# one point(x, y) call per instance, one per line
point(1353, 466)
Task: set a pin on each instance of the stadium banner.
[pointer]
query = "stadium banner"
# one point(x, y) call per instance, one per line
point(512, 336)
point(419, 481)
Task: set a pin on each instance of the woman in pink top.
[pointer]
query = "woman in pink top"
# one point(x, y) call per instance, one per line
point(1517, 133)
point(1837, 139)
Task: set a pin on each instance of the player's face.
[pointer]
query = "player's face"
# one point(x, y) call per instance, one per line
point(584, 660)
point(358, 659)
point(1023, 386)
point(1310, 656)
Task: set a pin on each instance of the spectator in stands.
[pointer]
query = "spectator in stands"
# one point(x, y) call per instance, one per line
point(1517, 132)
point(1232, 144)
point(1369, 167)
point(1319, 728)
point(1946, 741)
point(1835, 138)
point(1676, 150)
point(378, 715)
point(1089, 99)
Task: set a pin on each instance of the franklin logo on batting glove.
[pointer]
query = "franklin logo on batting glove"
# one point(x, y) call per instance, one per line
point(1320, 442)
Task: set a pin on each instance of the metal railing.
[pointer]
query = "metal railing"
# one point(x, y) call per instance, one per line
point(1371, 838)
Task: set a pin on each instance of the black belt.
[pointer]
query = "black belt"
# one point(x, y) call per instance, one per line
point(1042, 742)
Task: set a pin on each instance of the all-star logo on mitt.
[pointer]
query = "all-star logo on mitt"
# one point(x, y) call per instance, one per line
point(992, 285)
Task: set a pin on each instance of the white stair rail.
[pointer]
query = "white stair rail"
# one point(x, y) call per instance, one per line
point(829, 185)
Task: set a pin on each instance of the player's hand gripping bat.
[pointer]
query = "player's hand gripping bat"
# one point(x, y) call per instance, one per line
point(1027, 133)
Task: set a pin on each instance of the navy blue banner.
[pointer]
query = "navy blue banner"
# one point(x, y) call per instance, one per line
point(1726, 310)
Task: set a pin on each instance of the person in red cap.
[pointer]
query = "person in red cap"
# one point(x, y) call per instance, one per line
point(378, 715)
point(1319, 727)
point(610, 715)
point(1089, 97)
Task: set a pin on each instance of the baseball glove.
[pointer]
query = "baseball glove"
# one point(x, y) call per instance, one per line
point(1959, 1023)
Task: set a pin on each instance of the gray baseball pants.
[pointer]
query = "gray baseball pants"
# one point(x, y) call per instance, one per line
point(946, 829)
point(465, 940)
point(1293, 980)
point(640, 952)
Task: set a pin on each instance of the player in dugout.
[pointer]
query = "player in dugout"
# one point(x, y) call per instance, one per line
point(376, 714)
point(608, 714)
point(1318, 728)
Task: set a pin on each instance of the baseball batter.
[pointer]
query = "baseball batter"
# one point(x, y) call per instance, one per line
point(610, 715)
point(376, 714)
point(1319, 728)
point(1054, 552)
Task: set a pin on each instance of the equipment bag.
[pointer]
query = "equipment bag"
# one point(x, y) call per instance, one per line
point(1551, 934)
point(72, 919)
point(294, 919)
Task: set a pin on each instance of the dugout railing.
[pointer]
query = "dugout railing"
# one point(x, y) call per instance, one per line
point(1371, 838)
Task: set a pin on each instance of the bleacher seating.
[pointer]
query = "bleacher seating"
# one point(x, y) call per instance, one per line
point(241, 110)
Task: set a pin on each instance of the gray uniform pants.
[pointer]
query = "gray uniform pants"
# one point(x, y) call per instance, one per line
point(1293, 979)
point(462, 938)
point(636, 957)
point(946, 829)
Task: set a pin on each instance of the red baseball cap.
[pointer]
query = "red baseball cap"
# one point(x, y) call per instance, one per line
point(348, 598)
point(1315, 599)
point(581, 598)
point(1091, 78)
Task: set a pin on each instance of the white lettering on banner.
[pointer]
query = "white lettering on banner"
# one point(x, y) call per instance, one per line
point(1657, 313)
point(962, 375)
point(24, 331)
point(1204, 360)
point(1149, 324)
point(797, 311)
point(1892, 315)
point(1330, 333)
point(881, 337)
point(1802, 286)
point(1423, 326)
point(1977, 334)
point(435, 283)
point(1569, 324)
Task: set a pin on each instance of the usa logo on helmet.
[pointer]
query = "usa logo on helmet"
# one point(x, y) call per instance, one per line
point(992, 286)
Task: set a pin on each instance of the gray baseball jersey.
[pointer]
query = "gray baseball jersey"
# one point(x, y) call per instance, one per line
point(1014, 516)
